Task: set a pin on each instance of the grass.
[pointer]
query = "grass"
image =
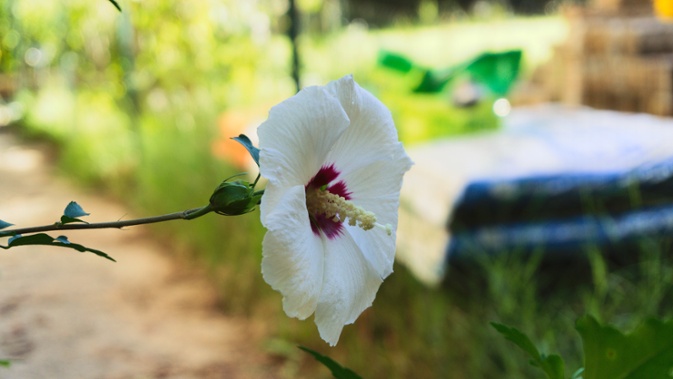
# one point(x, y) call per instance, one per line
point(160, 160)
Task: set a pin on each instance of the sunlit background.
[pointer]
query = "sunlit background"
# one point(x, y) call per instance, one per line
point(539, 128)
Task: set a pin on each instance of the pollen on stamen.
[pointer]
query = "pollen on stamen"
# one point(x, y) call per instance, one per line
point(387, 227)
point(338, 209)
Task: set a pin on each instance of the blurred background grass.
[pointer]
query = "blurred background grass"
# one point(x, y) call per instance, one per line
point(140, 105)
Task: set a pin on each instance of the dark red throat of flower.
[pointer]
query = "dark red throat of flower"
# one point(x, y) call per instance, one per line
point(326, 178)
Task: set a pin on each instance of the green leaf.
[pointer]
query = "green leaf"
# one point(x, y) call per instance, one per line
point(245, 141)
point(72, 213)
point(4, 224)
point(69, 220)
point(5, 363)
point(578, 374)
point(74, 210)
point(12, 238)
point(116, 5)
point(45, 239)
point(646, 352)
point(552, 365)
point(337, 370)
point(62, 239)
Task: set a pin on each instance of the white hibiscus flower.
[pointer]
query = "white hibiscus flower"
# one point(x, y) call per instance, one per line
point(334, 167)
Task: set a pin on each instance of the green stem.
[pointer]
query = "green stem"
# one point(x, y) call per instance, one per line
point(184, 215)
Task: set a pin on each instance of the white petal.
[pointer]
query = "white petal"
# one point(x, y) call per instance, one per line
point(292, 261)
point(349, 287)
point(299, 134)
point(379, 180)
point(273, 194)
point(373, 163)
point(376, 188)
point(371, 135)
point(378, 249)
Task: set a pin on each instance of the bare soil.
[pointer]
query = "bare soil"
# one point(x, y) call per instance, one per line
point(65, 314)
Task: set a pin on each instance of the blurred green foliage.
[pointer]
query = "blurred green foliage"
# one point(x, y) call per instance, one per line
point(135, 102)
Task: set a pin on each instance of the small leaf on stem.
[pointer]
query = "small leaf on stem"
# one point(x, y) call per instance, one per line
point(45, 239)
point(245, 141)
point(72, 213)
point(4, 224)
point(62, 239)
point(74, 210)
point(12, 238)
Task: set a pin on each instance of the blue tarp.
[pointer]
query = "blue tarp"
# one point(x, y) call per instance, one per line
point(564, 214)
point(554, 179)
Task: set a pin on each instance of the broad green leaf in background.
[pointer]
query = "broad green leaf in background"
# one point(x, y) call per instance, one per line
point(552, 365)
point(72, 213)
point(4, 363)
point(395, 61)
point(496, 71)
point(646, 352)
point(245, 141)
point(434, 81)
point(338, 371)
point(45, 239)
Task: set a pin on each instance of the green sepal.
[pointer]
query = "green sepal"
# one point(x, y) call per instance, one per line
point(4, 224)
point(245, 141)
point(338, 371)
point(552, 365)
point(646, 352)
point(45, 239)
point(72, 213)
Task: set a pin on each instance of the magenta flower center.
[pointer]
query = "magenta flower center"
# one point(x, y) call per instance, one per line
point(326, 179)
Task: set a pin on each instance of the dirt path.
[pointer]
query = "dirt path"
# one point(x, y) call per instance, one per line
point(69, 315)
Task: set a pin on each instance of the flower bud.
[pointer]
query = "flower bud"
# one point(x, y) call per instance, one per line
point(234, 198)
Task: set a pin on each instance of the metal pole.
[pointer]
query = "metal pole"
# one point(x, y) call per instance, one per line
point(293, 32)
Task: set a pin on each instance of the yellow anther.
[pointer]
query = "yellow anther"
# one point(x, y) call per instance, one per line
point(338, 209)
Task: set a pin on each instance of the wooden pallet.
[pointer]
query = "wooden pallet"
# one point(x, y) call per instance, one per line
point(614, 59)
point(625, 7)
